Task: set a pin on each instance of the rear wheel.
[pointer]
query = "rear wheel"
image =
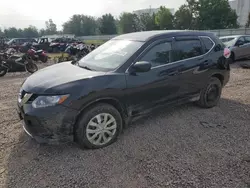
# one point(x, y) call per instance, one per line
point(232, 58)
point(98, 127)
point(211, 94)
point(3, 71)
point(31, 67)
point(44, 59)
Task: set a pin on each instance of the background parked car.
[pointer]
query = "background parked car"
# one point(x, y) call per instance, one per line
point(239, 46)
point(16, 43)
point(60, 44)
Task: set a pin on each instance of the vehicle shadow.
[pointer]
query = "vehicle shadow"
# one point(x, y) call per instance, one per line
point(184, 146)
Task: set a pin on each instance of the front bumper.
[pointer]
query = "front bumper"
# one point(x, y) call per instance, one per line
point(52, 125)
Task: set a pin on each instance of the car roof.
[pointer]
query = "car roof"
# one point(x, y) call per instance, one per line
point(233, 36)
point(144, 36)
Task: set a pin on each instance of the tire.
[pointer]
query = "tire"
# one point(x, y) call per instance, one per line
point(31, 67)
point(44, 59)
point(55, 50)
point(90, 115)
point(213, 84)
point(232, 58)
point(3, 71)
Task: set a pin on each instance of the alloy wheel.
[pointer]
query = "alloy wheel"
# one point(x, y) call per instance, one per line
point(101, 129)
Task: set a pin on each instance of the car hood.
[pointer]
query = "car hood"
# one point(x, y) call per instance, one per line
point(43, 81)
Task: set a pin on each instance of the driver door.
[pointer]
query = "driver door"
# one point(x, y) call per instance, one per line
point(158, 86)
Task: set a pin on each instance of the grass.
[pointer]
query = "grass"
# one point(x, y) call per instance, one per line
point(94, 41)
point(56, 55)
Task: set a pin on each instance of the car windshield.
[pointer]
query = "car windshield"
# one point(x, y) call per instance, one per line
point(229, 41)
point(110, 55)
point(10, 41)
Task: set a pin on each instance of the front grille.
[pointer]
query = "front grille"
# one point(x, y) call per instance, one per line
point(22, 93)
point(31, 96)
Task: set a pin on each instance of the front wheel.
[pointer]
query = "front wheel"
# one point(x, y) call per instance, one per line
point(211, 94)
point(31, 67)
point(3, 71)
point(98, 127)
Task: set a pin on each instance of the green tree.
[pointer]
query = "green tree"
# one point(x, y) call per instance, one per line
point(147, 22)
point(164, 18)
point(30, 32)
point(13, 32)
point(183, 18)
point(248, 21)
point(128, 23)
point(194, 6)
point(80, 25)
point(216, 14)
point(50, 27)
point(42, 32)
point(1, 32)
point(107, 25)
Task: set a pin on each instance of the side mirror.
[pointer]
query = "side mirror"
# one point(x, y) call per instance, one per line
point(141, 66)
point(239, 43)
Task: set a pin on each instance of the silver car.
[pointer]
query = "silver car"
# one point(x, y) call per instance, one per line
point(239, 46)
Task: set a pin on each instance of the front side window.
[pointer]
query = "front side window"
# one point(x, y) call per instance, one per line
point(110, 55)
point(159, 54)
point(247, 39)
point(185, 49)
point(241, 39)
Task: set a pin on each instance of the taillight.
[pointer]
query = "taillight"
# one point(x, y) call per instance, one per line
point(227, 53)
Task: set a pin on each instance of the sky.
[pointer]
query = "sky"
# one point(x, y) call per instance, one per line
point(22, 13)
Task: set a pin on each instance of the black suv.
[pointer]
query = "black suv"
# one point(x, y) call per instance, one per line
point(92, 100)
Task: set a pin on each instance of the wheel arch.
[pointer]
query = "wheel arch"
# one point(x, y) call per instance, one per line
point(107, 100)
point(233, 56)
point(220, 77)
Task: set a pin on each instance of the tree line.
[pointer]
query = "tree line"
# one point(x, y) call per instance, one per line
point(194, 15)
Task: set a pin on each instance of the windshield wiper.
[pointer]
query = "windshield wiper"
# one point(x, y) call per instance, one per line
point(85, 67)
point(74, 62)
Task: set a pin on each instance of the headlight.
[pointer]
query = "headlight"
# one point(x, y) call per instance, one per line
point(45, 101)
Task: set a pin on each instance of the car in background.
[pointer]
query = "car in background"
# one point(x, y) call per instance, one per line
point(60, 44)
point(239, 46)
point(91, 100)
point(16, 43)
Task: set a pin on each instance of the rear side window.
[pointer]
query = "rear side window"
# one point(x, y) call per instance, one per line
point(159, 54)
point(208, 43)
point(185, 49)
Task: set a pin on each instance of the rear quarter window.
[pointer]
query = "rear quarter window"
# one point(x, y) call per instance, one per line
point(208, 43)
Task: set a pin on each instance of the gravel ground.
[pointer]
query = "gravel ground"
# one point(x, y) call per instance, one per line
point(180, 147)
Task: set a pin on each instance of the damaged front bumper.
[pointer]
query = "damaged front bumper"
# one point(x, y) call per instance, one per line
point(51, 125)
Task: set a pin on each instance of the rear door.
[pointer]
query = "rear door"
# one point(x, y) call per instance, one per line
point(189, 52)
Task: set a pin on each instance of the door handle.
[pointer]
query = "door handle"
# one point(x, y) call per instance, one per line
point(173, 73)
point(206, 63)
point(169, 73)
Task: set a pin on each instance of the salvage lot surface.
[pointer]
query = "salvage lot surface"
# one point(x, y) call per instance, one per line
point(180, 147)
